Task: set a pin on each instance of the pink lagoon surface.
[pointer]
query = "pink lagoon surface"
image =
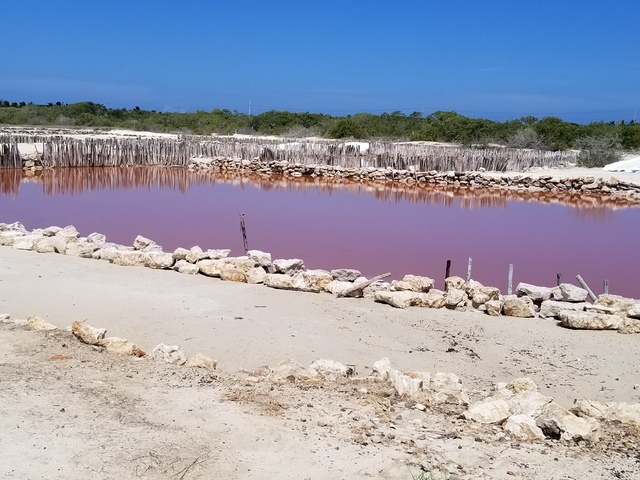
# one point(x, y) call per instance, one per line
point(375, 228)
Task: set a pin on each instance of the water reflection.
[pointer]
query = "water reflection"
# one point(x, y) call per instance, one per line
point(64, 181)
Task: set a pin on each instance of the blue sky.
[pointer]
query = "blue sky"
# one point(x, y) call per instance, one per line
point(499, 59)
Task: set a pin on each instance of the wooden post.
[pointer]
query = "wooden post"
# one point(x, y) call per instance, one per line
point(558, 279)
point(586, 287)
point(244, 234)
point(605, 287)
point(469, 270)
point(510, 281)
point(447, 273)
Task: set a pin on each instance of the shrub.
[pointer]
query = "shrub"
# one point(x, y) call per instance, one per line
point(598, 151)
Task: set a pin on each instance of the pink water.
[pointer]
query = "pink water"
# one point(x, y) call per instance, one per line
point(332, 224)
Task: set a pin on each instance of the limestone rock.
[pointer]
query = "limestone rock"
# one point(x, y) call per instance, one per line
point(180, 253)
point(416, 283)
point(567, 292)
point(195, 254)
point(454, 282)
point(51, 244)
point(521, 307)
point(256, 275)
point(141, 243)
point(130, 258)
point(524, 427)
point(370, 290)
point(434, 299)
point(558, 423)
point(337, 286)
point(589, 408)
point(446, 388)
point(97, 239)
point(232, 274)
point(159, 260)
point(312, 280)
point(454, 297)
point(279, 280)
point(628, 413)
point(529, 403)
point(289, 371)
point(36, 323)
point(170, 354)
point(87, 333)
point(616, 302)
point(182, 266)
point(493, 308)
point(288, 266)
point(534, 292)
point(345, 274)
point(590, 321)
point(634, 311)
point(200, 360)
point(523, 384)
point(263, 259)
point(401, 299)
point(489, 410)
point(216, 254)
point(210, 268)
point(404, 384)
point(630, 325)
point(383, 367)
point(8, 238)
point(243, 263)
point(68, 233)
point(26, 242)
point(552, 308)
point(328, 368)
point(120, 346)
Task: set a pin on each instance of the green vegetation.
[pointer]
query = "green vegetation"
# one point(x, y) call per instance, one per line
point(599, 140)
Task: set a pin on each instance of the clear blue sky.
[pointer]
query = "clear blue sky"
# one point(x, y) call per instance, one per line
point(499, 59)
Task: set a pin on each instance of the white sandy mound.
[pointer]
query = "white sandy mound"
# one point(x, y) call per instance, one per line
point(631, 164)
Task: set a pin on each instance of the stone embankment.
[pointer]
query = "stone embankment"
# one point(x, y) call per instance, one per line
point(547, 183)
point(565, 302)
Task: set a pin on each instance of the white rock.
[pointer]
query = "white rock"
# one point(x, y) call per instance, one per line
point(567, 292)
point(159, 260)
point(51, 244)
point(210, 268)
point(69, 233)
point(493, 308)
point(454, 282)
point(489, 410)
point(557, 422)
point(279, 280)
point(345, 274)
point(132, 258)
point(195, 254)
point(289, 370)
point(86, 333)
point(180, 253)
point(524, 427)
point(534, 292)
point(403, 299)
point(528, 403)
point(447, 388)
point(169, 353)
point(455, 297)
point(328, 368)
point(634, 311)
point(216, 254)
point(8, 238)
point(589, 408)
point(97, 239)
point(628, 413)
point(36, 323)
point(616, 302)
point(200, 360)
point(434, 299)
point(263, 259)
point(141, 243)
point(26, 242)
point(312, 280)
point(521, 307)
point(552, 308)
point(383, 367)
point(590, 321)
point(182, 266)
point(288, 266)
point(418, 283)
point(256, 275)
point(120, 346)
point(404, 384)
point(230, 273)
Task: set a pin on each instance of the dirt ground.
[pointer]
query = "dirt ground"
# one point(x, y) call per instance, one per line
point(72, 411)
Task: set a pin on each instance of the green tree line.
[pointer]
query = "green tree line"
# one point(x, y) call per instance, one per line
point(549, 133)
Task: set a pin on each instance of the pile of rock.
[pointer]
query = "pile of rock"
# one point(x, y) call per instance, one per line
point(565, 302)
point(568, 304)
point(544, 183)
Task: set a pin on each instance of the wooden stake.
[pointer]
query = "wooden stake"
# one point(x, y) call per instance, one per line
point(605, 287)
point(586, 287)
point(558, 279)
point(510, 281)
point(447, 273)
point(469, 270)
point(244, 234)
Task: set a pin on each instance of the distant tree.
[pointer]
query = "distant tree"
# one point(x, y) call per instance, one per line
point(346, 128)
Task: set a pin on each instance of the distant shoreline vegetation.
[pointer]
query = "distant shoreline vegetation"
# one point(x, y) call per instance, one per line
point(601, 142)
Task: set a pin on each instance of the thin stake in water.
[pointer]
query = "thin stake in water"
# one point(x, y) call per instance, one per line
point(244, 234)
